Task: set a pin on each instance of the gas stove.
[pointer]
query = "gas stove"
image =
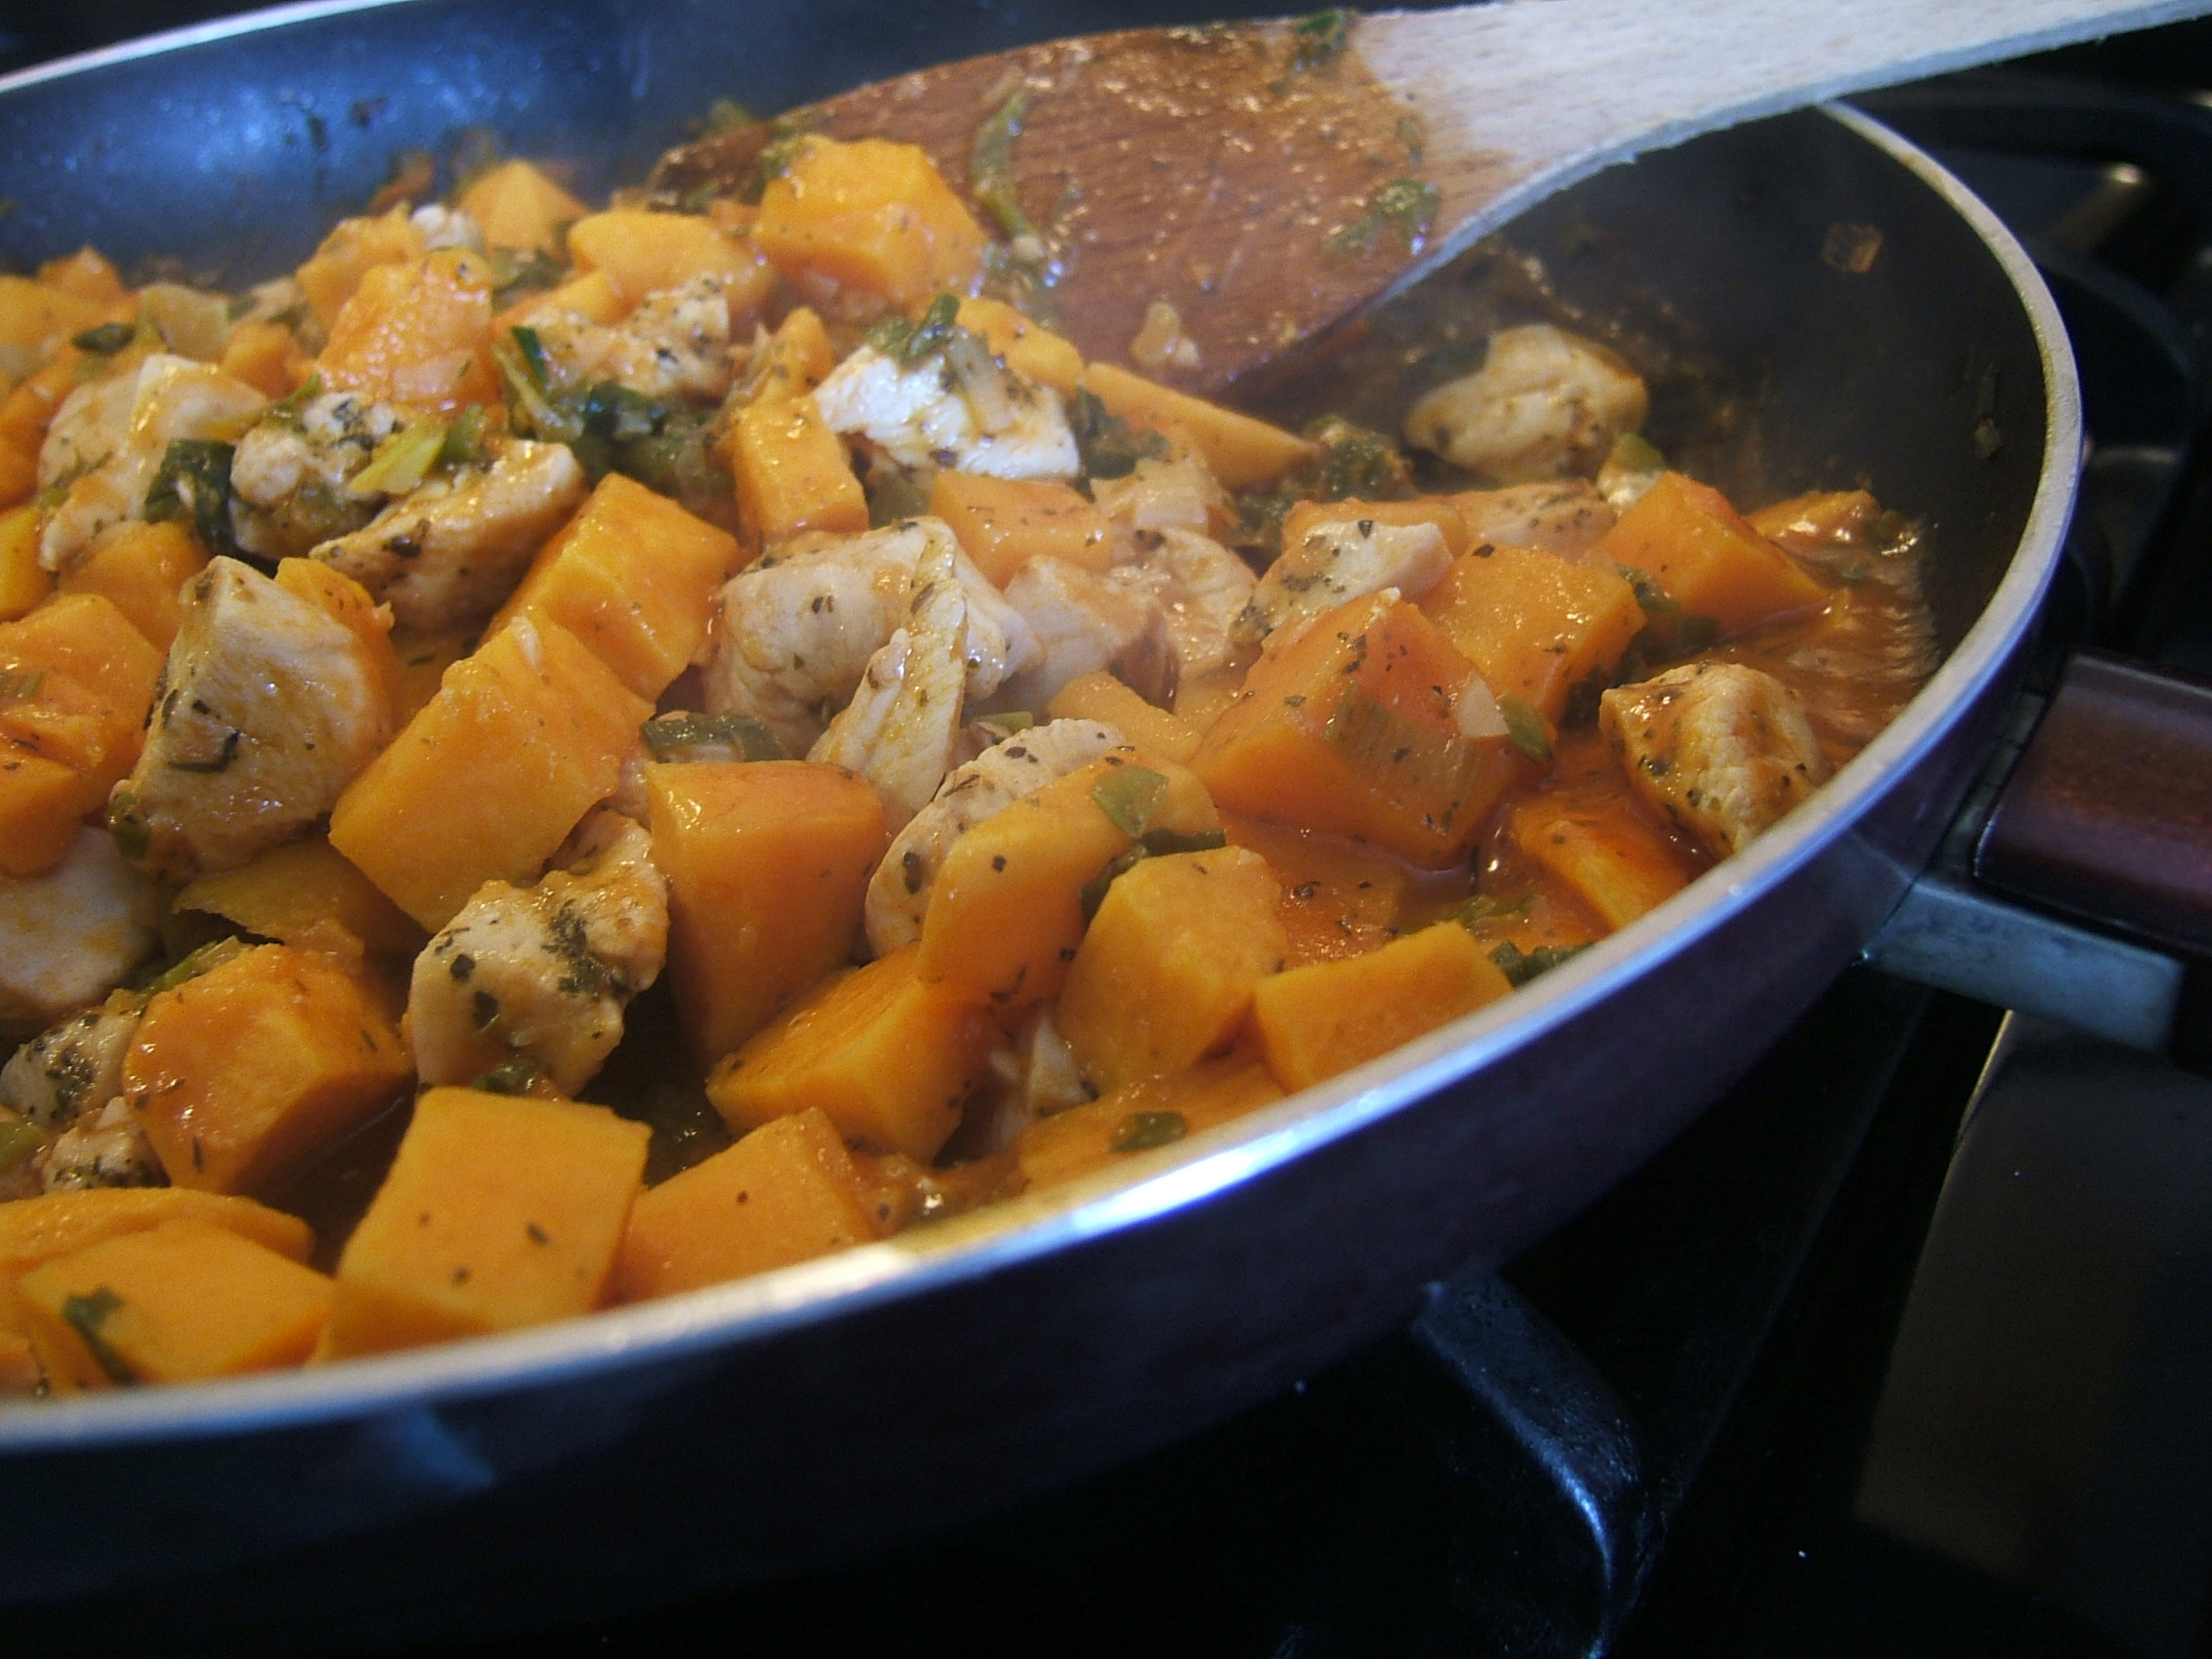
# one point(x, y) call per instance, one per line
point(1905, 1347)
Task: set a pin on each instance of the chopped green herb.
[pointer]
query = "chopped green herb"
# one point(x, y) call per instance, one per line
point(787, 136)
point(511, 1076)
point(86, 1315)
point(18, 1140)
point(907, 343)
point(125, 828)
point(1524, 726)
point(1653, 600)
point(1152, 844)
point(1634, 452)
point(1519, 967)
point(208, 958)
point(402, 461)
point(669, 736)
point(1317, 39)
point(20, 687)
point(193, 483)
point(1107, 448)
point(1006, 725)
point(1129, 796)
point(1354, 461)
point(1140, 1132)
point(991, 166)
point(533, 354)
point(287, 410)
point(1485, 907)
point(465, 437)
point(105, 340)
point(515, 271)
point(519, 358)
point(1407, 207)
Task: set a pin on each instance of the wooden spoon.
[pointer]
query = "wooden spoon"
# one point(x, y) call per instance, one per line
point(1268, 180)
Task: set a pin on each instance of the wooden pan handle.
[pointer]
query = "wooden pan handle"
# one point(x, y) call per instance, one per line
point(2109, 813)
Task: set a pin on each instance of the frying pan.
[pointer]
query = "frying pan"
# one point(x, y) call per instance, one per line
point(785, 1421)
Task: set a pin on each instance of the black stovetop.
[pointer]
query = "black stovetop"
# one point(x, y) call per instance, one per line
point(1904, 1348)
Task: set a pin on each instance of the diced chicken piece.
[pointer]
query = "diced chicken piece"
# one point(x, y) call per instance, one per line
point(1568, 518)
point(69, 934)
point(1338, 561)
point(898, 894)
point(288, 478)
point(796, 633)
point(110, 453)
point(1085, 623)
point(1162, 495)
point(925, 415)
point(1201, 588)
point(446, 227)
point(1544, 403)
point(281, 300)
point(899, 730)
point(1723, 749)
point(542, 974)
point(674, 344)
point(268, 706)
point(451, 550)
point(105, 1147)
point(76, 1066)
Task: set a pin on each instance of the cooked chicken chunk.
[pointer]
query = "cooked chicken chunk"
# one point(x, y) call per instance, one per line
point(1723, 749)
point(451, 550)
point(106, 447)
point(1568, 518)
point(446, 227)
point(898, 894)
point(1340, 560)
point(796, 633)
point(1162, 495)
point(900, 729)
point(1085, 623)
point(73, 1067)
point(924, 415)
point(674, 344)
point(268, 706)
point(1544, 403)
point(105, 1147)
point(69, 933)
point(1201, 588)
point(287, 479)
point(542, 974)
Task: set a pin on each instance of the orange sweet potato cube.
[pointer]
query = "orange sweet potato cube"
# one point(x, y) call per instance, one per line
point(1099, 697)
point(267, 357)
point(768, 863)
point(24, 582)
point(791, 473)
point(1603, 851)
point(1005, 912)
point(36, 317)
point(592, 296)
point(492, 774)
point(1004, 523)
point(143, 569)
point(632, 575)
point(1352, 730)
point(1318, 1021)
point(86, 273)
point(516, 205)
point(418, 334)
point(1341, 898)
point(19, 473)
point(43, 804)
point(787, 1192)
point(871, 215)
point(1240, 450)
point(303, 892)
point(246, 1072)
point(643, 252)
point(1153, 1112)
point(1535, 624)
point(80, 679)
point(797, 358)
point(885, 1058)
point(1707, 558)
point(499, 1211)
point(1030, 349)
point(183, 1301)
point(1164, 974)
point(355, 247)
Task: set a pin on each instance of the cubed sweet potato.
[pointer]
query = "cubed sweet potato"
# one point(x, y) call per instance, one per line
point(19, 473)
point(143, 569)
point(493, 773)
point(787, 1192)
point(1535, 624)
point(242, 1074)
point(303, 892)
point(24, 582)
point(797, 358)
point(792, 474)
point(1004, 523)
point(885, 1058)
point(87, 273)
point(1030, 349)
point(354, 248)
point(1353, 730)
point(35, 317)
point(417, 334)
point(267, 357)
point(516, 205)
point(1164, 974)
point(870, 215)
point(592, 296)
point(1316, 1021)
point(1341, 898)
point(1155, 1112)
point(184, 1302)
point(43, 804)
point(1240, 450)
point(499, 1211)
point(643, 252)
point(1005, 912)
point(768, 863)
point(632, 575)
point(1699, 550)
point(1604, 852)
point(1099, 697)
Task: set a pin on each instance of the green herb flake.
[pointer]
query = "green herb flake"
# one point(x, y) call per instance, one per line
point(1405, 207)
point(932, 333)
point(1130, 796)
point(519, 357)
point(1634, 452)
point(1105, 443)
point(208, 958)
point(193, 483)
point(1651, 598)
point(1006, 725)
point(21, 688)
point(787, 138)
point(464, 444)
point(1488, 908)
point(401, 462)
point(1521, 966)
point(1140, 1132)
point(105, 340)
point(1166, 843)
point(87, 1315)
point(671, 736)
point(533, 354)
point(991, 166)
point(1524, 727)
point(511, 1076)
point(126, 828)
point(1317, 39)
point(18, 1140)
point(290, 408)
